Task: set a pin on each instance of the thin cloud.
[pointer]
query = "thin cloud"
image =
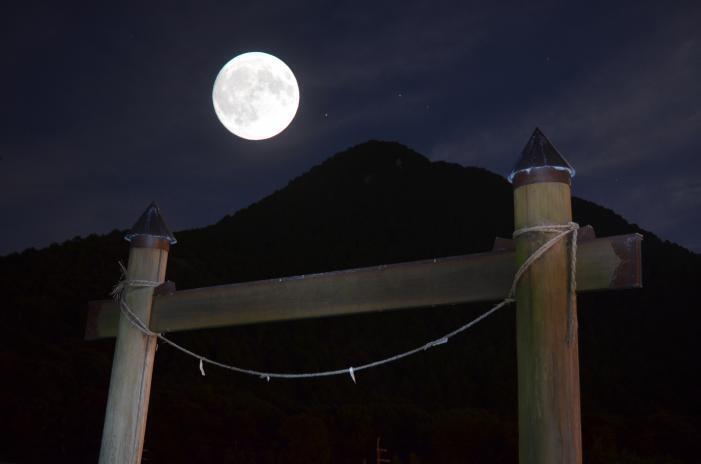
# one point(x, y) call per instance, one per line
point(639, 112)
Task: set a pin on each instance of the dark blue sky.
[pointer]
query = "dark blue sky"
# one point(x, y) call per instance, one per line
point(106, 107)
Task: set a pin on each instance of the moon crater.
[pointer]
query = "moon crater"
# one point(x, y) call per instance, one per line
point(255, 96)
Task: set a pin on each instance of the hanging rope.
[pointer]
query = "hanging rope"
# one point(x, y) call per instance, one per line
point(120, 290)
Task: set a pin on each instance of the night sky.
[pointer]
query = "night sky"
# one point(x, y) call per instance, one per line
point(107, 106)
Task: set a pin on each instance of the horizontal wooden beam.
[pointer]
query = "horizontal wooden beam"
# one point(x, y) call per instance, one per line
point(602, 264)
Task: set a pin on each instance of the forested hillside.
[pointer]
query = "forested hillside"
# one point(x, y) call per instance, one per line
point(375, 203)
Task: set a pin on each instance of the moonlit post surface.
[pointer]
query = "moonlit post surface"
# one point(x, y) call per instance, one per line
point(549, 413)
point(132, 367)
point(255, 96)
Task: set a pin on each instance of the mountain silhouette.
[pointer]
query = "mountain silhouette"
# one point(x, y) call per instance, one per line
point(375, 203)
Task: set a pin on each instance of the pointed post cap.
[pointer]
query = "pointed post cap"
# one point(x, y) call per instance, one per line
point(540, 162)
point(150, 230)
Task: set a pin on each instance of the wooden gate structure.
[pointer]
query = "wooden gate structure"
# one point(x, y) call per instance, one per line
point(548, 363)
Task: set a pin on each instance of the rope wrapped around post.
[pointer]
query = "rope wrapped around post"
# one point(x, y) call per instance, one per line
point(561, 231)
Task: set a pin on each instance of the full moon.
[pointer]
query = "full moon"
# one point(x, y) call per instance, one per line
point(255, 96)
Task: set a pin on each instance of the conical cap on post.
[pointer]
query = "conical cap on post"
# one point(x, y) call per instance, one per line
point(539, 153)
point(152, 225)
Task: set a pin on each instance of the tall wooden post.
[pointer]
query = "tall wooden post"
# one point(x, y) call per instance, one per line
point(548, 364)
point(130, 383)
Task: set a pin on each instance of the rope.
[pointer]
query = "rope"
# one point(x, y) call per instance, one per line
point(561, 230)
point(120, 290)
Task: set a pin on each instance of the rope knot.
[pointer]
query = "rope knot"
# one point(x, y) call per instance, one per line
point(562, 230)
point(119, 294)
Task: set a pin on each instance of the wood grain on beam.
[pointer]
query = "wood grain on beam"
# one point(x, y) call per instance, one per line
point(602, 264)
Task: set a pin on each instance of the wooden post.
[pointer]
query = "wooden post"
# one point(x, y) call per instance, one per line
point(548, 365)
point(132, 368)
